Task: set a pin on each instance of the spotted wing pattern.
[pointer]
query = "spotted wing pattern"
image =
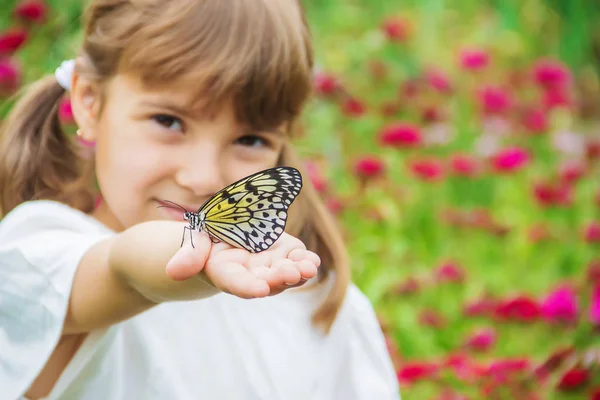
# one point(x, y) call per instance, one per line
point(252, 212)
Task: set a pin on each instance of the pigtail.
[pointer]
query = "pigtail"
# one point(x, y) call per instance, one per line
point(37, 159)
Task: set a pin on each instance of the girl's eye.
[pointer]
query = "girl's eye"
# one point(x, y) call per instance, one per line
point(252, 141)
point(168, 121)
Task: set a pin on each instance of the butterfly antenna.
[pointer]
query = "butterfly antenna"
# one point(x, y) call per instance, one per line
point(175, 204)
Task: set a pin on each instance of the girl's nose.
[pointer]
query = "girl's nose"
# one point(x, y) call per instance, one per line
point(201, 173)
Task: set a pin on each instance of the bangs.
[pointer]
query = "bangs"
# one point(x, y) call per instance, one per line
point(255, 53)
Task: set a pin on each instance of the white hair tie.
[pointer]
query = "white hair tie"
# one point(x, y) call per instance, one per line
point(64, 73)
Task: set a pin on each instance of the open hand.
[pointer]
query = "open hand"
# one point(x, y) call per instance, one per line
point(285, 264)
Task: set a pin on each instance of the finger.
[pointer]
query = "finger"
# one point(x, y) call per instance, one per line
point(282, 272)
point(235, 279)
point(301, 255)
point(307, 269)
point(189, 261)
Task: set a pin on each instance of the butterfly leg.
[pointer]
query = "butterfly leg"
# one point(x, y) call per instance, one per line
point(191, 236)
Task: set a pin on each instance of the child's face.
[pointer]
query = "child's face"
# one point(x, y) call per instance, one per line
point(150, 146)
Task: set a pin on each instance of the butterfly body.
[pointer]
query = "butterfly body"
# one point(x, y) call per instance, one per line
point(250, 213)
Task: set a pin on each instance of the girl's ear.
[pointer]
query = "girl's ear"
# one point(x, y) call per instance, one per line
point(85, 103)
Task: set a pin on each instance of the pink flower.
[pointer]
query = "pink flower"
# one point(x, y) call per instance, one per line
point(595, 306)
point(464, 165)
point(510, 159)
point(12, 40)
point(535, 121)
point(450, 272)
point(573, 379)
point(551, 73)
point(519, 308)
point(410, 88)
point(352, 107)
point(503, 367)
point(400, 135)
point(439, 81)
point(548, 194)
point(10, 76)
point(479, 308)
point(560, 305)
point(325, 84)
point(595, 395)
point(396, 29)
point(427, 169)
point(407, 287)
point(31, 10)
point(481, 340)
point(416, 371)
point(556, 97)
point(316, 176)
point(334, 205)
point(474, 59)
point(494, 100)
point(592, 232)
point(65, 112)
point(572, 171)
point(369, 167)
point(432, 319)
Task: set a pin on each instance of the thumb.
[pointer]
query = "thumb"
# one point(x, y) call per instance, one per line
point(189, 261)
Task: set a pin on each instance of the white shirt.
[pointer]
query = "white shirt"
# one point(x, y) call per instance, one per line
point(219, 348)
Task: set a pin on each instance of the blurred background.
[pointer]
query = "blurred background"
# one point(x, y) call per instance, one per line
point(458, 144)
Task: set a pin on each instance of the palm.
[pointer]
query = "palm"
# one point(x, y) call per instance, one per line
point(285, 264)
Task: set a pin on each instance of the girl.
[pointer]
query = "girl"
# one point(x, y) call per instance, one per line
point(182, 98)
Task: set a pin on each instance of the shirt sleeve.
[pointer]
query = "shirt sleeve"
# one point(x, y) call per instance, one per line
point(41, 245)
point(365, 370)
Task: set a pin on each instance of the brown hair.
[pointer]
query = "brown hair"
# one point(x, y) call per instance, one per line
point(256, 53)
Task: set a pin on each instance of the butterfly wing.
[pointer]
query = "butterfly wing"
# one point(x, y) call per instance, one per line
point(252, 212)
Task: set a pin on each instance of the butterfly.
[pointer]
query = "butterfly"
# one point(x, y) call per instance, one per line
point(250, 213)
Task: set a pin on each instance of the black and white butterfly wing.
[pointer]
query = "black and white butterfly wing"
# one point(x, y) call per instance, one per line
point(252, 212)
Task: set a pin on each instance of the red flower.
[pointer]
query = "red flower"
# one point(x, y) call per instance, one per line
point(325, 84)
point(501, 368)
point(548, 194)
point(474, 59)
point(31, 10)
point(535, 121)
point(409, 286)
point(396, 29)
point(10, 77)
point(450, 272)
point(595, 395)
point(316, 176)
point(556, 97)
point(464, 165)
point(571, 172)
point(481, 340)
point(334, 205)
point(510, 159)
point(353, 107)
point(427, 169)
point(65, 112)
point(12, 40)
point(573, 379)
point(551, 73)
point(479, 307)
point(592, 149)
point(595, 306)
point(439, 81)
point(416, 371)
point(410, 88)
point(369, 167)
point(401, 135)
point(592, 232)
point(519, 308)
point(560, 305)
point(432, 319)
point(494, 100)
point(593, 271)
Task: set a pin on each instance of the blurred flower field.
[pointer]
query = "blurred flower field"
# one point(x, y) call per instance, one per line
point(458, 144)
